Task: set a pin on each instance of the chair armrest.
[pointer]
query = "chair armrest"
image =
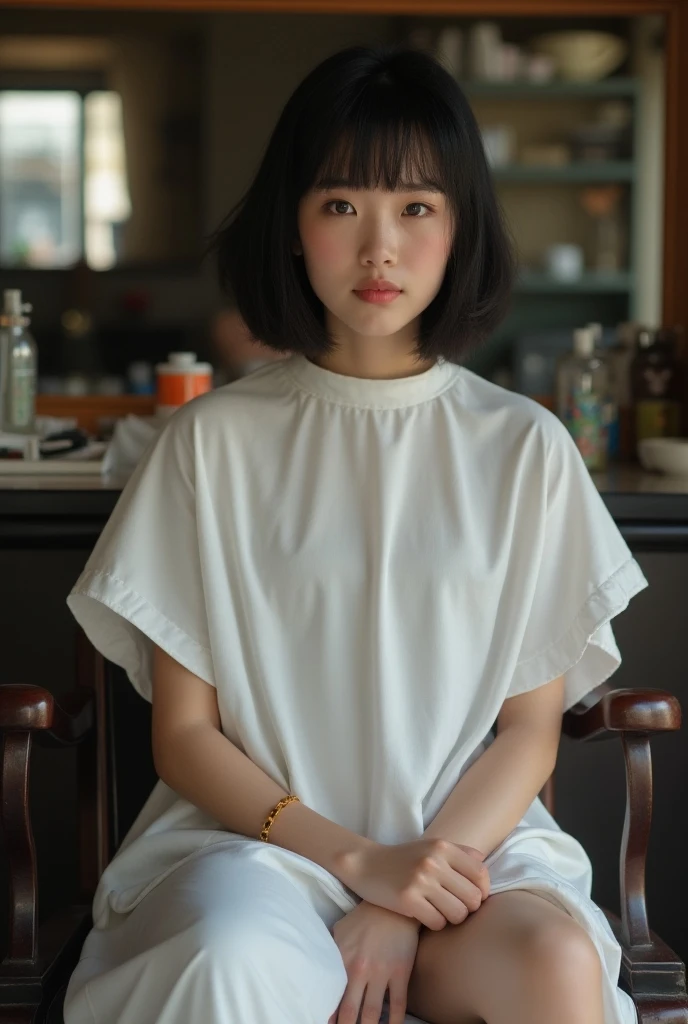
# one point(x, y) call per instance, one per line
point(654, 975)
point(651, 972)
point(606, 711)
point(28, 711)
point(25, 708)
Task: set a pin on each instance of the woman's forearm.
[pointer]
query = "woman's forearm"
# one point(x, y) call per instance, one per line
point(206, 768)
point(496, 791)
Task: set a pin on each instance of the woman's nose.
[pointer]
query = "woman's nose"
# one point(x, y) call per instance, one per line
point(379, 244)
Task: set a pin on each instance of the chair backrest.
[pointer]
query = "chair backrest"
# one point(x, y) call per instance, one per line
point(129, 741)
point(116, 770)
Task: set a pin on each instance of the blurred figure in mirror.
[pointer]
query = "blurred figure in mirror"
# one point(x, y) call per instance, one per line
point(235, 349)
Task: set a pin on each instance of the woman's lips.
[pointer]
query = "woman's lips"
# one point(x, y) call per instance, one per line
point(375, 295)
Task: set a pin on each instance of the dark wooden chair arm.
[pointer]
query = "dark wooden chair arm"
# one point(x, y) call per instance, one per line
point(26, 708)
point(651, 971)
point(27, 712)
point(37, 960)
point(606, 711)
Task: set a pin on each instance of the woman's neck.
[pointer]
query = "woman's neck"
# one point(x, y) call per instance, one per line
point(372, 362)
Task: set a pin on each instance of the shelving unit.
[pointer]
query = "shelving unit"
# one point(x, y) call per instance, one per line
point(541, 301)
point(581, 173)
point(617, 86)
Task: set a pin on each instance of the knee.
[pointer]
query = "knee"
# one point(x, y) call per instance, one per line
point(238, 938)
point(242, 944)
point(560, 952)
point(231, 939)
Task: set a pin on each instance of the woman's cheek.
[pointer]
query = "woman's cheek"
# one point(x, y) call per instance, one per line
point(428, 250)
point(326, 249)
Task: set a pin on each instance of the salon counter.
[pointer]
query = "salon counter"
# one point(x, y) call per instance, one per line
point(651, 509)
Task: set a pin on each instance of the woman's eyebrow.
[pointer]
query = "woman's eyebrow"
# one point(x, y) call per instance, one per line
point(412, 186)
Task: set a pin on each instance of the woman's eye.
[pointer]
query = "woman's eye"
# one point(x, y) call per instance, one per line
point(336, 202)
point(344, 202)
point(419, 204)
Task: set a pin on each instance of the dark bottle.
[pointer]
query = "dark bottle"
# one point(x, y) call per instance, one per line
point(655, 383)
point(620, 357)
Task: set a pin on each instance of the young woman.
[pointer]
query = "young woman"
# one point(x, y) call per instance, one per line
point(331, 578)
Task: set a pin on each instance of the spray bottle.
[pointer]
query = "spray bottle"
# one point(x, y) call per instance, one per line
point(18, 366)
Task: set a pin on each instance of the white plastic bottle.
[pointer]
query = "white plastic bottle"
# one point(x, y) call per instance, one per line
point(179, 380)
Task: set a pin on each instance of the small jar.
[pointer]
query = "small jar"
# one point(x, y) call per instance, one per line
point(179, 380)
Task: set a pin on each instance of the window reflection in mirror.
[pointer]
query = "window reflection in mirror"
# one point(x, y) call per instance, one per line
point(109, 170)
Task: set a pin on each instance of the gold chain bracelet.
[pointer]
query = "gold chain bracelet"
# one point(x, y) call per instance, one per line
point(273, 814)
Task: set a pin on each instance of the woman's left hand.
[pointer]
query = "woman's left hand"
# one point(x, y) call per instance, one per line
point(378, 947)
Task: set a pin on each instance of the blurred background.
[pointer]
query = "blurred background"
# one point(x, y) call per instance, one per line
point(125, 137)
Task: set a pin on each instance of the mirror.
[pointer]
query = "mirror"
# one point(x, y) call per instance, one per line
point(100, 149)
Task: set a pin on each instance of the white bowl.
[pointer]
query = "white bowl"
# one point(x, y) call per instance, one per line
point(666, 454)
point(582, 56)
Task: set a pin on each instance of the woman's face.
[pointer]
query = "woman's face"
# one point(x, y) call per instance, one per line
point(348, 236)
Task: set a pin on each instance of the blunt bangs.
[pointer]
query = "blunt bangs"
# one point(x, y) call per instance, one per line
point(384, 116)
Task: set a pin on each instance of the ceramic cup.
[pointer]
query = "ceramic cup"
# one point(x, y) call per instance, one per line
point(564, 261)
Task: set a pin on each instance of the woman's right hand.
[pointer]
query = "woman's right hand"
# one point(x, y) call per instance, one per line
point(436, 881)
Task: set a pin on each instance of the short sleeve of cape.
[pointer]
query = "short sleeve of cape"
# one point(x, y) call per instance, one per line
point(585, 574)
point(143, 579)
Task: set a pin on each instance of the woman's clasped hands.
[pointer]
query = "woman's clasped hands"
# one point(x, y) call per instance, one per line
point(431, 882)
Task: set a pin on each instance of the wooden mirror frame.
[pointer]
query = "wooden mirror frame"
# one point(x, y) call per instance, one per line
point(675, 268)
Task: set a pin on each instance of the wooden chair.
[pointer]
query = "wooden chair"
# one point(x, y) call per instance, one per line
point(39, 961)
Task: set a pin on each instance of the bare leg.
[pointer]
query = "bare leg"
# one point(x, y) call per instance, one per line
point(516, 960)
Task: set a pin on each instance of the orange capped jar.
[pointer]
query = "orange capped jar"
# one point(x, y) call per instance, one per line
point(179, 380)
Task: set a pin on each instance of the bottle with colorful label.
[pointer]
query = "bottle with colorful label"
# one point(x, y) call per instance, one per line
point(583, 398)
point(611, 407)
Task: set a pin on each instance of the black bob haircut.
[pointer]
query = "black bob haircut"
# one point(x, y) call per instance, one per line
point(357, 118)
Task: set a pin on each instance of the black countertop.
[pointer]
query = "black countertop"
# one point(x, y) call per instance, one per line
point(651, 509)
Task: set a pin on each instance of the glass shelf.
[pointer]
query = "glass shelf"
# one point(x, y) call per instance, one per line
point(531, 282)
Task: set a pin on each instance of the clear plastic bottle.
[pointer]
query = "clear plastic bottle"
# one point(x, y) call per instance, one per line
point(611, 408)
point(18, 366)
point(582, 398)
